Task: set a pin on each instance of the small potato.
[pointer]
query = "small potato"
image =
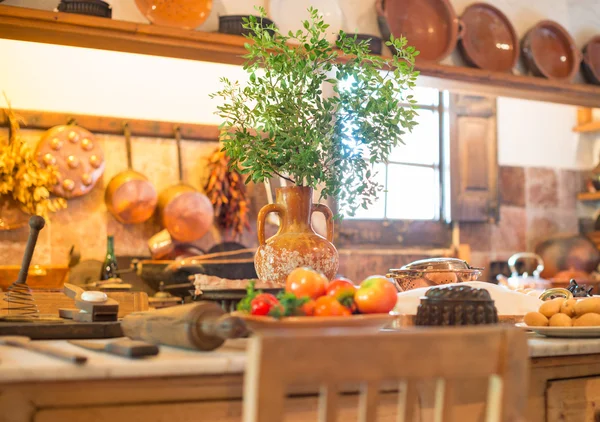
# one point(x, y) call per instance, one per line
point(535, 319)
point(587, 320)
point(568, 307)
point(560, 320)
point(551, 307)
point(588, 305)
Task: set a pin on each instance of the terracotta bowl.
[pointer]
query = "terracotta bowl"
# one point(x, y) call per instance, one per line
point(591, 60)
point(549, 51)
point(431, 26)
point(487, 39)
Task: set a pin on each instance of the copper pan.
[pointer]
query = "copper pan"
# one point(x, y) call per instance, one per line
point(487, 39)
point(549, 51)
point(591, 60)
point(186, 213)
point(129, 196)
point(431, 26)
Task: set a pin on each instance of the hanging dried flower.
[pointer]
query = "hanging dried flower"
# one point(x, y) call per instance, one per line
point(22, 177)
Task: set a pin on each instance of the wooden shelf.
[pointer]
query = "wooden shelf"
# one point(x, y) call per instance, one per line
point(587, 127)
point(106, 34)
point(589, 196)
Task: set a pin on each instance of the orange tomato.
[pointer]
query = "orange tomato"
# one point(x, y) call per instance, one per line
point(308, 309)
point(376, 295)
point(306, 282)
point(343, 290)
point(329, 306)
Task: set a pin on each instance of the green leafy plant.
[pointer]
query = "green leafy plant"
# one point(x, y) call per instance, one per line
point(280, 123)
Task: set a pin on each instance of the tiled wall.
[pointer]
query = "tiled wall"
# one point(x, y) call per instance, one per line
point(536, 203)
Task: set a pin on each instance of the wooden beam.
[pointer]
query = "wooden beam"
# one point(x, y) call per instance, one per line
point(99, 33)
point(114, 125)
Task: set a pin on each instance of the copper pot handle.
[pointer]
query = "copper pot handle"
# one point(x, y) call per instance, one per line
point(262, 216)
point(326, 211)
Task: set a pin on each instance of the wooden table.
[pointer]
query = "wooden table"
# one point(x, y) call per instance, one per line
point(180, 385)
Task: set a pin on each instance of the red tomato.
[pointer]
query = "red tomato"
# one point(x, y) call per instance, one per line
point(306, 282)
point(343, 290)
point(329, 306)
point(263, 303)
point(376, 295)
point(308, 309)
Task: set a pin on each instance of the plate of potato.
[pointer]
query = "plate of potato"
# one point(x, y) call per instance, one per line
point(560, 317)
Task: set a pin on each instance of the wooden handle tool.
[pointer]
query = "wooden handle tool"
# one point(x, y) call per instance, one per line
point(26, 343)
point(124, 347)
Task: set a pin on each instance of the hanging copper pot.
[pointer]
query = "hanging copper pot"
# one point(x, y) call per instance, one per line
point(130, 197)
point(186, 213)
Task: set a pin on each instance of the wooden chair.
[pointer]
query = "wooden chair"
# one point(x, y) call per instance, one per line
point(493, 353)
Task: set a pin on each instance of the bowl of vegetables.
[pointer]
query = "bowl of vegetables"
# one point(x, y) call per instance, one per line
point(311, 301)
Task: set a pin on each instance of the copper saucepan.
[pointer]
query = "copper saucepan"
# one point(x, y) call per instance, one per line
point(186, 213)
point(130, 197)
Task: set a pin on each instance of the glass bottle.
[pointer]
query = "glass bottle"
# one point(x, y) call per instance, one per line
point(109, 266)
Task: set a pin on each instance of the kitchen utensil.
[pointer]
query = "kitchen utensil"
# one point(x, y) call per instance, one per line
point(563, 332)
point(567, 252)
point(433, 272)
point(549, 51)
point(183, 14)
point(76, 154)
point(202, 326)
point(186, 213)
point(487, 39)
point(556, 292)
point(232, 24)
point(86, 7)
point(63, 329)
point(262, 324)
point(91, 306)
point(19, 298)
point(525, 281)
point(124, 347)
point(26, 343)
point(289, 14)
point(590, 63)
point(431, 26)
point(130, 197)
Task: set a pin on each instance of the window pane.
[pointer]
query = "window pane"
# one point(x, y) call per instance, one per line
point(377, 209)
point(426, 96)
point(422, 146)
point(413, 193)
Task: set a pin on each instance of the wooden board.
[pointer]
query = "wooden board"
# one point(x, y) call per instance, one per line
point(48, 302)
point(41, 26)
point(66, 330)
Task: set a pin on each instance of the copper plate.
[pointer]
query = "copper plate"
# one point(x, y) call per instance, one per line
point(549, 51)
point(431, 26)
point(487, 39)
point(259, 324)
point(591, 60)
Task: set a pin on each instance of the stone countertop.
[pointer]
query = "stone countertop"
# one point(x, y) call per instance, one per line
point(19, 365)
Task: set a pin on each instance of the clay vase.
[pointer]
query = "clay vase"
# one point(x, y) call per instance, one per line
point(295, 244)
point(184, 14)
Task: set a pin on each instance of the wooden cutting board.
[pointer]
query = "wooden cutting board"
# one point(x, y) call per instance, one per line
point(48, 302)
point(67, 330)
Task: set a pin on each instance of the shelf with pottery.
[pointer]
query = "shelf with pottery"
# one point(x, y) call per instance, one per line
point(99, 33)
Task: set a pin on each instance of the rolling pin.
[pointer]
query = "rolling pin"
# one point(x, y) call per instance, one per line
point(202, 326)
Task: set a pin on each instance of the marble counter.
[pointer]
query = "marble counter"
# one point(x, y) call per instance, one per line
point(18, 365)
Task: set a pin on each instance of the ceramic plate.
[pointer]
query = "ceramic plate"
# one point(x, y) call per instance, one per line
point(289, 14)
point(263, 323)
point(564, 332)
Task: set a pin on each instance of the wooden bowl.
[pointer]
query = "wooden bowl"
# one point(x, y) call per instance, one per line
point(549, 51)
point(591, 60)
point(40, 277)
point(487, 39)
point(431, 26)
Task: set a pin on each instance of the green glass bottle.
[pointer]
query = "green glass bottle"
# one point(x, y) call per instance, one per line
point(109, 267)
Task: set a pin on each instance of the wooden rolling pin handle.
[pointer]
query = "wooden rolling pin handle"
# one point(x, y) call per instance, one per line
point(225, 327)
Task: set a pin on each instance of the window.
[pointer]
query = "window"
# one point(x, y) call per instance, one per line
point(412, 178)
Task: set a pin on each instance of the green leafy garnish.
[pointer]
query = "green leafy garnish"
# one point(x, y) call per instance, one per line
point(245, 305)
point(290, 305)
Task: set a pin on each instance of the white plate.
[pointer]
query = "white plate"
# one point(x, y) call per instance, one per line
point(564, 332)
point(289, 14)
